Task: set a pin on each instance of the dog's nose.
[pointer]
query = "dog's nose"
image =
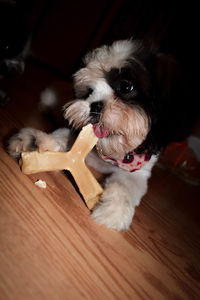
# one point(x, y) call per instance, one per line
point(95, 111)
point(96, 107)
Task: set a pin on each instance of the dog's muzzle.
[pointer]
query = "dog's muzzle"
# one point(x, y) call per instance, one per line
point(95, 111)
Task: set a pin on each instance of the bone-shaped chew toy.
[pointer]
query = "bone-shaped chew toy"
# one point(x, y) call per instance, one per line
point(73, 161)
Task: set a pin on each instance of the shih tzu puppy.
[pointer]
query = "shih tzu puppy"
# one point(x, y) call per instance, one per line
point(134, 97)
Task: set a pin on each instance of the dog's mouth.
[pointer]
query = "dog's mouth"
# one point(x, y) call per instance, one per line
point(100, 131)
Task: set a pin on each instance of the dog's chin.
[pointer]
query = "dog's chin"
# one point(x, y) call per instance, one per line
point(117, 146)
point(127, 127)
point(120, 129)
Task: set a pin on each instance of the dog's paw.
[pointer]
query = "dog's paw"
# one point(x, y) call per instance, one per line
point(30, 139)
point(24, 140)
point(114, 209)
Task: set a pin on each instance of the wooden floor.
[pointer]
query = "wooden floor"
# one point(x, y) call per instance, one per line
point(50, 248)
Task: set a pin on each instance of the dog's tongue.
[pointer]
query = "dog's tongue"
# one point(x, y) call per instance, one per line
point(100, 131)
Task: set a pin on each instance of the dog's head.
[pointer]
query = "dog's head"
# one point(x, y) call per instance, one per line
point(128, 91)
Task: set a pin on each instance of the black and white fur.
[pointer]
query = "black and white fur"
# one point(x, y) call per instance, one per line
point(133, 90)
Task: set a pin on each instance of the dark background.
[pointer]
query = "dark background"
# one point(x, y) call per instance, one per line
point(63, 31)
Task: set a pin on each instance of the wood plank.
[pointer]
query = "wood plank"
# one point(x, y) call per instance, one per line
point(50, 248)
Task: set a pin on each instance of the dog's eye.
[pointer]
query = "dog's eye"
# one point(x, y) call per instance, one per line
point(126, 86)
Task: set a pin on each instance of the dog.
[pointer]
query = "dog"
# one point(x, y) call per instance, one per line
point(135, 98)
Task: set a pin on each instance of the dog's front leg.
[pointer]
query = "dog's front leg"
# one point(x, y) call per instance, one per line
point(30, 139)
point(123, 192)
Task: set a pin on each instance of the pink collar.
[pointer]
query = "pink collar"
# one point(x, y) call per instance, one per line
point(131, 161)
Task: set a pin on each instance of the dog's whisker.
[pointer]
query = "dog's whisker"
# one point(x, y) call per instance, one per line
point(95, 113)
point(67, 104)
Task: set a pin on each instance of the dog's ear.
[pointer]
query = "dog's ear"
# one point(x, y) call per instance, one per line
point(174, 99)
point(166, 74)
point(172, 116)
point(173, 106)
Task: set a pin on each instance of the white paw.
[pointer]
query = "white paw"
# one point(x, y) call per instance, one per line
point(114, 209)
point(24, 140)
point(30, 139)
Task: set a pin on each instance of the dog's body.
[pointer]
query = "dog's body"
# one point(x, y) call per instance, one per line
point(129, 91)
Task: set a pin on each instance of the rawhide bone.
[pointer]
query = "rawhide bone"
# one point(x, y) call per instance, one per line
point(73, 161)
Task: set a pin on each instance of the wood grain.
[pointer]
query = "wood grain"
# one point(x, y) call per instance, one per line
point(50, 248)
